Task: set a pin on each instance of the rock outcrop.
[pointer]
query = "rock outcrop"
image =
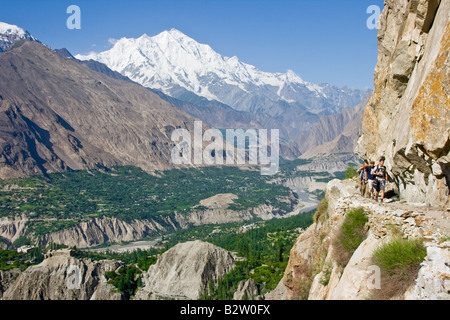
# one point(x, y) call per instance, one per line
point(61, 276)
point(183, 272)
point(12, 228)
point(7, 278)
point(246, 290)
point(407, 119)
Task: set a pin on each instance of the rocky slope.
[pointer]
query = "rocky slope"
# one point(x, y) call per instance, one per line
point(331, 163)
point(408, 116)
point(318, 140)
point(63, 277)
point(335, 134)
point(184, 271)
point(93, 65)
point(221, 116)
point(314, 273)
point(12, 228)
point(57, 114)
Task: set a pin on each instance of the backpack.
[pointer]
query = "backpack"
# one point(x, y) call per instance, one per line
point(380, 169)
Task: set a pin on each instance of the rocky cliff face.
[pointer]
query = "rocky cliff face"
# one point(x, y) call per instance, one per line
point(63, 277)
point(315, 273)
point(184, 271)
point(407, 119)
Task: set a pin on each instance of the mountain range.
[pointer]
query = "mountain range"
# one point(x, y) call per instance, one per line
point(46, 95)
point(174, 63)
point(182, 68)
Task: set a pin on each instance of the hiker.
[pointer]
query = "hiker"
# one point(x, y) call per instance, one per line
point(362, 179)
point(380, 179)
point(370, 179)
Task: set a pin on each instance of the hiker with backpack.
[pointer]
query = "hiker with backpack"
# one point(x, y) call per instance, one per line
point(380, 181)
point(370, 179)
point(363, 179)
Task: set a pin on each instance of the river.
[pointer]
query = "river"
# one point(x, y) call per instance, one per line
point(309, 201)
point(128, 247)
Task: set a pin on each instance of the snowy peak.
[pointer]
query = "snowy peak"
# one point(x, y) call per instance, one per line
point(175, 34)
point(172, 58)
point(10, 34)
point(9, 29)
point(175, 63)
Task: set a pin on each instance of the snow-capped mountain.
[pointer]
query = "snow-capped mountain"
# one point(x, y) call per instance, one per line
point(10, 34)
point(177, 65)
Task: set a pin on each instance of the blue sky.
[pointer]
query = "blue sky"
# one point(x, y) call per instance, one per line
point(323, 41)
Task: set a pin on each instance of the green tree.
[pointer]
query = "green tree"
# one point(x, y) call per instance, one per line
point(350, 172)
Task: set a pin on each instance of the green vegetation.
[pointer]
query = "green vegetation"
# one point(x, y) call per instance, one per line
point(11, 259)
point(288, 166)
point(399, 261)
point(22, 241)
point(142, 259)
point(400, 254)
point(351, 234)
point(127, 280)
point(127, 193)
point(326, 274)
point(351, 172)
point(340, 175)
point(353, 229)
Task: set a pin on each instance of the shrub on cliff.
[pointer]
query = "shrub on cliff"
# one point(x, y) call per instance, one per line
point(399, 262)
point(321, 213)
point(349, 236)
